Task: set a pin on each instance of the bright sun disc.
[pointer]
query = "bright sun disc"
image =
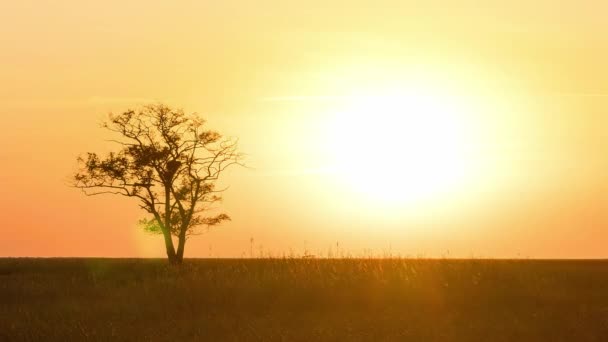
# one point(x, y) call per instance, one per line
point(403, 145)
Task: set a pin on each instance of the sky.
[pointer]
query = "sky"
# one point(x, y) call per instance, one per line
point(411, 128)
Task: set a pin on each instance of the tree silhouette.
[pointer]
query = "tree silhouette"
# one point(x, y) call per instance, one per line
point(170, 163)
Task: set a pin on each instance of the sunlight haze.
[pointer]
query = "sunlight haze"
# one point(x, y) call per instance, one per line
point(412, 128)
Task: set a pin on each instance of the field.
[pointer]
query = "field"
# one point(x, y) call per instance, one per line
point(303, 300)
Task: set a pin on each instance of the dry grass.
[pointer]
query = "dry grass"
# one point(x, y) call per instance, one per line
point(303, 300)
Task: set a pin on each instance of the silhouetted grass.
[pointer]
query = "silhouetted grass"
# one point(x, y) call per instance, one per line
point(303, 300)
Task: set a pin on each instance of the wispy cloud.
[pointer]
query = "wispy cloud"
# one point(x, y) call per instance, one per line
point(330, 98)
point(583, 94)
point(118, 100)
point(322, 170)
point(302, 98)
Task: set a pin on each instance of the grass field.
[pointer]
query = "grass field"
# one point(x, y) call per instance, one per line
point(303, 300)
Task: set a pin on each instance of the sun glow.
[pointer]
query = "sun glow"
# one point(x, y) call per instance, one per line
point(402, 145)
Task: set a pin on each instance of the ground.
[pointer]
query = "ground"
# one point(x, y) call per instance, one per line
point(303, 300)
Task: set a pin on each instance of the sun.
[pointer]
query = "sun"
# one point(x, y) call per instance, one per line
point(401, 144)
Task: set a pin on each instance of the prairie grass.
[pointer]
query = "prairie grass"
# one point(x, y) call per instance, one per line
point(295, 299)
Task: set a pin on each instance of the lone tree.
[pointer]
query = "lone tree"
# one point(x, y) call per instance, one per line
point(169, 162)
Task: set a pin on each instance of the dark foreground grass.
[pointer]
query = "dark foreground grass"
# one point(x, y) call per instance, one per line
point(303, 300)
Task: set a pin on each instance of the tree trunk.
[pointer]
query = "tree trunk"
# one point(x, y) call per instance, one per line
point(181, 246)
point(169, 247)
point(167, 231)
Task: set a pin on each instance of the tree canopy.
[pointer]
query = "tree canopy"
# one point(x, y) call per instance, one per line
point(170, 162)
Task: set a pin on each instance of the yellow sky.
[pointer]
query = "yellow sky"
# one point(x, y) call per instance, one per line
point(275, 73)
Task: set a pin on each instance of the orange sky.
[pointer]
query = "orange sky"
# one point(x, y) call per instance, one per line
point(273, 73)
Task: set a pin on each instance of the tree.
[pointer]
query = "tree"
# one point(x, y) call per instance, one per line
point(170, 163)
